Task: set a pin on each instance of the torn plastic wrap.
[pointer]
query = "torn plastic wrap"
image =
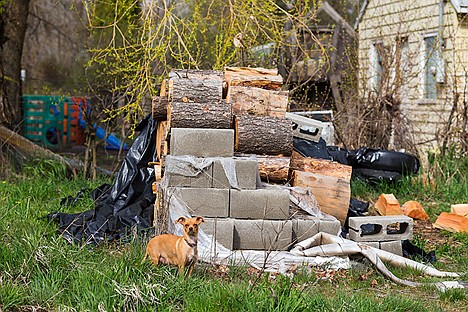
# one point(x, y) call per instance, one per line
point(212, 252)
point(127, 204)
point(191, 166)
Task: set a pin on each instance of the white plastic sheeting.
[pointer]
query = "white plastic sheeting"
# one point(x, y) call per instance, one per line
point(320, 250)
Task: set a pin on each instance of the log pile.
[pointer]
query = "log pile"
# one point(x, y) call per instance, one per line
point(250, 101)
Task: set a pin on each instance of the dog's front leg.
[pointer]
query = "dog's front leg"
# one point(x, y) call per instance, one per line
point(190, 269)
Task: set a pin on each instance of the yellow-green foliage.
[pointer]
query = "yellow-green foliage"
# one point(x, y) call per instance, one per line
point(137, 42)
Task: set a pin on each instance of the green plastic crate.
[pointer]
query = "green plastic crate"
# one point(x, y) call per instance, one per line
point(46, 120)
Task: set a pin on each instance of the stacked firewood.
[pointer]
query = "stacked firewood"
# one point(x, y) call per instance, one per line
point(250, 101)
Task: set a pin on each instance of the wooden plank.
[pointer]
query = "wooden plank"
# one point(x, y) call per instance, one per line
point(161, 143)
point(459, 209)
point(332, 193)
point(452, 222)
point(320, 166)
point(257, 101)
point(164, 88)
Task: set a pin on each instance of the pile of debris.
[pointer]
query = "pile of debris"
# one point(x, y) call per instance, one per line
point(455, 221)
point(219, 134)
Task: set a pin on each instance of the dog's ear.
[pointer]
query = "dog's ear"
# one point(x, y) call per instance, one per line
point(200, 220)
point(181, 220)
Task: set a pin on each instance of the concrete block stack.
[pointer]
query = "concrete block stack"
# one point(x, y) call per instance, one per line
point(209, 116)
point(242, 218)
point(384, 232)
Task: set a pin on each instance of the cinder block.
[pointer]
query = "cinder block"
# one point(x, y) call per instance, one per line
point(304, 229)
point(203, 180)
point(246, 173)
point(372, 244)
point(201, 142)
point(394, 247)
point(385, 228)
point(262, 234)
point(222, 230)
point(205, 202)
point(270, 204)
point(329, 226)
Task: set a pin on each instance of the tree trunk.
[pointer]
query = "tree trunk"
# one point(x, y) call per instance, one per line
point(200, 115)
point(199, 86)
point(263, 135)
point(321, 166)
point(32, 151)
point(257, 101)
point(253, 77)
point(13, 22)
point(159, 107)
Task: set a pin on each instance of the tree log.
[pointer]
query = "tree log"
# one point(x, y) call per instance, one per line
point(256, 101)
point(198, 86)
point(320, 166)
point(32, 151)
point(273, 168)
point(263, 135)
point(200, 115)
point(160, 107)
point(253, 77)
point(332, 193)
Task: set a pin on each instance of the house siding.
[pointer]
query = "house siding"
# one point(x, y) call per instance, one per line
point(384, 21)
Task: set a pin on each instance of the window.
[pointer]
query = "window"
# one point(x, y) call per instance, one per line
point(377, 66)
point(430, 68)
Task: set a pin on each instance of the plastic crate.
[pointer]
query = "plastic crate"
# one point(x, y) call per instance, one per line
point(46, 120)
point(77, 107)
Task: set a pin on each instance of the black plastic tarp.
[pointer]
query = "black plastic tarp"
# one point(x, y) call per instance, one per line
point(368, 163)
point(127, 204)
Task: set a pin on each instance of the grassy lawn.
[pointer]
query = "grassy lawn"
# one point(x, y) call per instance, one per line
point(40, 271)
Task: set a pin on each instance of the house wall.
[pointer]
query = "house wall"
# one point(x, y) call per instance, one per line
point(383, 22)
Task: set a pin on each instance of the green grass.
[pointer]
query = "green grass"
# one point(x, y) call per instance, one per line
point(40, 270)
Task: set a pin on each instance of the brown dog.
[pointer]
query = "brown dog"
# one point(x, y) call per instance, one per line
point(176, 250)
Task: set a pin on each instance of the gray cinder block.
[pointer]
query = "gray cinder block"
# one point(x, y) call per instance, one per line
point(394, 247)
point(200, 142)
point(271, 204)
point(203, 180)
point(372, 244)
point(262, 234)
point(304, 229)
point(222, 230)
point(205, 202)
point(386, 228)
point(246, 174)
point(329, 226)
